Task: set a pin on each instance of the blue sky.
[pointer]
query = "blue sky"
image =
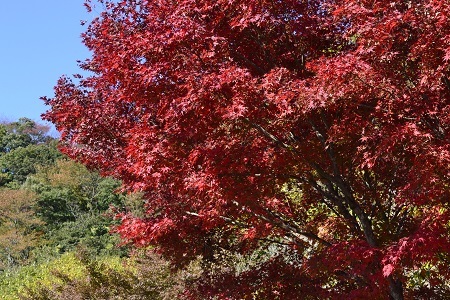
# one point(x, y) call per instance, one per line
point(40, 41)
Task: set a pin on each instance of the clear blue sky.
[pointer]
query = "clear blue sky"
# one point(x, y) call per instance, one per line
point(40, 41)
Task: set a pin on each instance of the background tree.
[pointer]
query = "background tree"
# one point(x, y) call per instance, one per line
point(21, 162)
point(73, 202)
point(67, 190)
point(24, 145)
point(320, 126)
point(18, 227)
point(22, 133)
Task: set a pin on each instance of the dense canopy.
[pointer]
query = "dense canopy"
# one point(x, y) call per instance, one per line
point(308, 138)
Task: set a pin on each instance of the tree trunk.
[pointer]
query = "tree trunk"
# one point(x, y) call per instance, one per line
point(395, 289)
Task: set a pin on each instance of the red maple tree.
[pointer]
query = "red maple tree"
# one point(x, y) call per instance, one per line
point(315, 133)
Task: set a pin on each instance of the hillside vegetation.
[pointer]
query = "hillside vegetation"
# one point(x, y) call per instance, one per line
point(56, 222)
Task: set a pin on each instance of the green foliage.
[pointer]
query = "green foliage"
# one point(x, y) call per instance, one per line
point(67, 190)
point(14, 282)
point(20, 162)
point(18, 224)
point(135, 204)
point(24, 145)
point(22, 133)
point(50, 207)
point(144, 277)
point(90, 231)
point(73, 201)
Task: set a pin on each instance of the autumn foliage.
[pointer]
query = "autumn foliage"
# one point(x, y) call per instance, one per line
point(315, 133)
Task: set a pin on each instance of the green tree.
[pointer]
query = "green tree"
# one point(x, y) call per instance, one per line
point(18, 226)
point(17, 164)
point(22, 133)
point(72, 201)
point(67, 190)
point(24, 144)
